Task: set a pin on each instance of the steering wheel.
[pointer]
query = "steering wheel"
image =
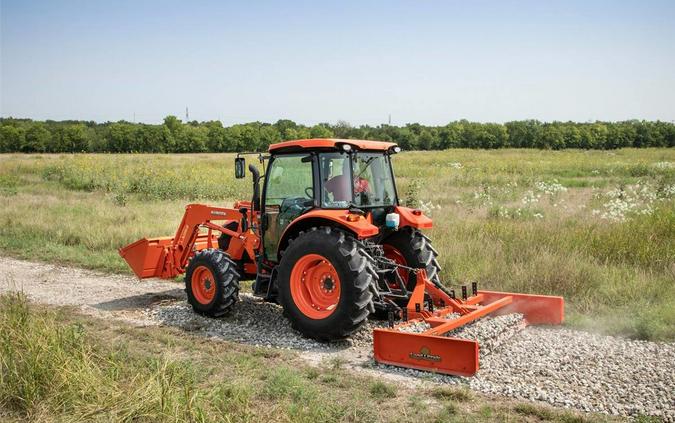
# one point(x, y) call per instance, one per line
point(310, 189)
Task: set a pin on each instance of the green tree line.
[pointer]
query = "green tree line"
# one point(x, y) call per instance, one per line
point(175, 136)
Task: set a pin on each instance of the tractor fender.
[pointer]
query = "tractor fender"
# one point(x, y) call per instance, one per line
point(357, 225)
point(413, 218)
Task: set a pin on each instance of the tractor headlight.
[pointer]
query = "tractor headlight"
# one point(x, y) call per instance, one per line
point(346, 147)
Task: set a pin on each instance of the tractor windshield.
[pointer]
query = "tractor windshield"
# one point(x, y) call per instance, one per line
point(356, 179)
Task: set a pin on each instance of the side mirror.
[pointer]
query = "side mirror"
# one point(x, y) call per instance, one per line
point(239, 167)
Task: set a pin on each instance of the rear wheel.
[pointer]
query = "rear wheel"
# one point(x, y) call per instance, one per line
point(212, 283)
point(409, 247)
point(324, 284)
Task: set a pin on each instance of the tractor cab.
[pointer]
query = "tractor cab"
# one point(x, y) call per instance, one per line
point(351, 176)
point(302, 178)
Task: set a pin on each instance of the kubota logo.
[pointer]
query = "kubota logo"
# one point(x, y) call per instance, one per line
point(218, 213)
point(425, 354)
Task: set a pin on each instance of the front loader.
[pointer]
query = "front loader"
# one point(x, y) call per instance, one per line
point(328, 240)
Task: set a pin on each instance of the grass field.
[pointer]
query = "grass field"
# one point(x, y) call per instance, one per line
point(597, 227)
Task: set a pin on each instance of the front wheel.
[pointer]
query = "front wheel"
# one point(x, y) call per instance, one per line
point(212, 283)
point(324, 284)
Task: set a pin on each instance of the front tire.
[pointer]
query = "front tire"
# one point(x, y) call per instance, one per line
point(212, 283)
point(324, 284)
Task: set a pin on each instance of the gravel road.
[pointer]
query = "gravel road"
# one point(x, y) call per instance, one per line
point(559, 366)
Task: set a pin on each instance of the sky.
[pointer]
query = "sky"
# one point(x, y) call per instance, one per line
point(422, 61)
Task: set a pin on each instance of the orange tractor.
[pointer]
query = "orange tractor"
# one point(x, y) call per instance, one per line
point(328, 240)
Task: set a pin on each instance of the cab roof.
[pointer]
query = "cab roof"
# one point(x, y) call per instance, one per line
point(329, 143)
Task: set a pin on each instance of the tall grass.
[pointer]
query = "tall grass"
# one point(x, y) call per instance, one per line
point(157, 179)
point(49, 369)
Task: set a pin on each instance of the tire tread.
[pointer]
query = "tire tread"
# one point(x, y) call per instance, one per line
point(225, 272)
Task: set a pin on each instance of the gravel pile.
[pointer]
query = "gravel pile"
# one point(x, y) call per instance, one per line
point(566, 368)
point(490, 332)
point(585, 371)
point(575, 370)
point(414, 327)
point(561, 367)
point(253, 321)
point(363, 337)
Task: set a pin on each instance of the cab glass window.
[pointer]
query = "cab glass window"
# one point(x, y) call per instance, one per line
point(290, 177)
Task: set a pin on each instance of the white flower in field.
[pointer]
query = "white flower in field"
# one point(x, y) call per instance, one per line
point(668, 191)
point(595, 212)
point(503, 212)
point(550, 188)
point(456, 165)
point(539, 215)
point(648, 210)
point(622, 203)
point(615, 193)
point(595, 172)
point(483, 195)
point(429, 207)
point(530, 198)
point(664, 165)
point(634, 199)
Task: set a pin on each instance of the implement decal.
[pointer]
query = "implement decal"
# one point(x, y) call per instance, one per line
point(425, 354)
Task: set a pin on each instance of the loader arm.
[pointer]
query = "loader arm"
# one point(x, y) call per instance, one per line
point(167, 257)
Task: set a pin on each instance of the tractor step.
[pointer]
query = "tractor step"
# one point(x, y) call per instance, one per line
point(261, 285)
point(426, 340)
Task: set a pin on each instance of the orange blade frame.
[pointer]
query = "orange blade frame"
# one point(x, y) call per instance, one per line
point(433, 352)
point(537, 309)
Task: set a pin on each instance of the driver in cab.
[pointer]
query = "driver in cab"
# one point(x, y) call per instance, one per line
point(339, 186)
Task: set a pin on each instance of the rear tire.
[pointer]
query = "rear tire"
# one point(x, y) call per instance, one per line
point(325, 284)
point(412, 248)
point(212, 283)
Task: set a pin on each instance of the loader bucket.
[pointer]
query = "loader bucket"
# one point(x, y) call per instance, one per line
point(429, 348)
point(146, 257)
point(153, 258)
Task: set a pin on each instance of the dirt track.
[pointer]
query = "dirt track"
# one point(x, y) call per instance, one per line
point(558, 366)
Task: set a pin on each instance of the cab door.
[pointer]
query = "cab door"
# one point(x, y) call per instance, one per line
point(289, 192)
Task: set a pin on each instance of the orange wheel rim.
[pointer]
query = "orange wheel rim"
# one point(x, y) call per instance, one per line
point(395, 255)
point(315, 286)
point(203, 285)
